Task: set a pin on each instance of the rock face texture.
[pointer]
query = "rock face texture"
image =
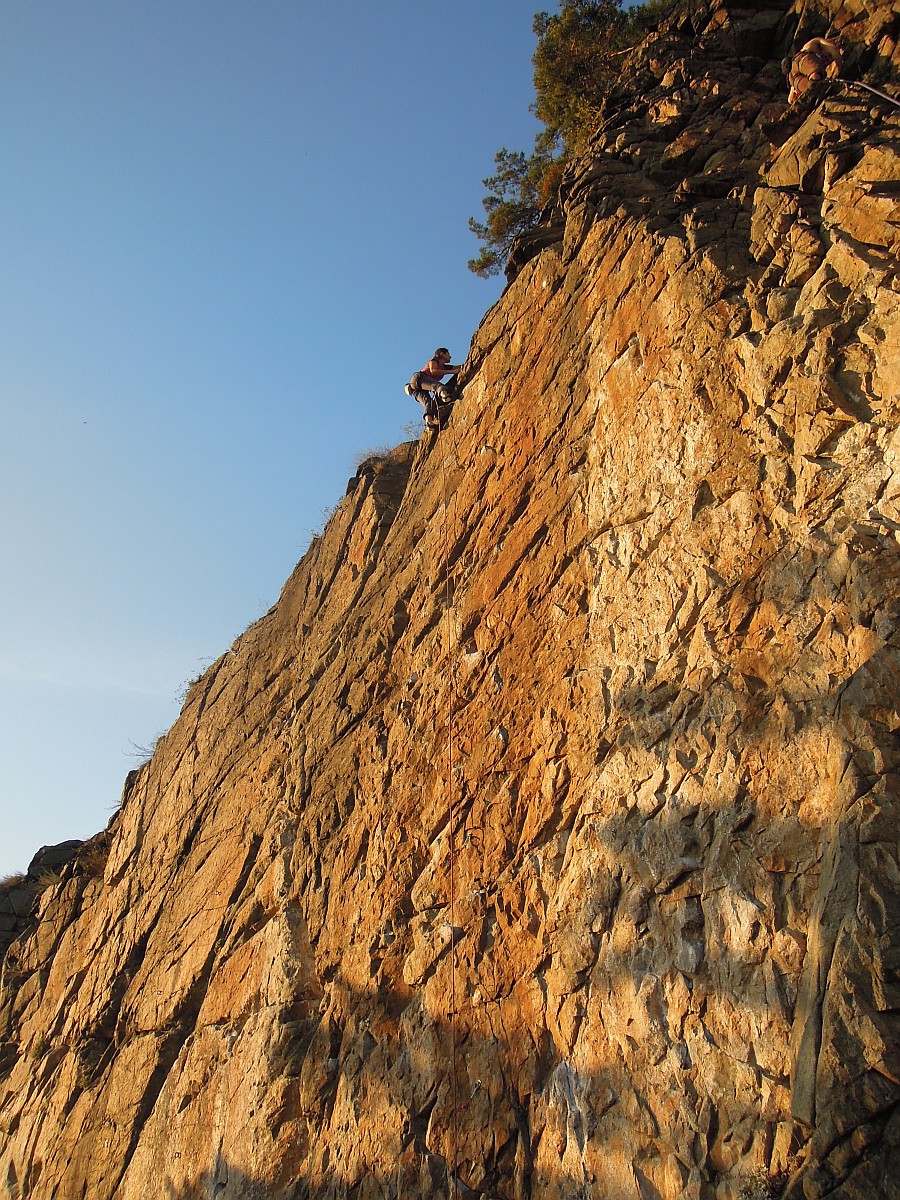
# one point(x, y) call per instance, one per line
point(19, 893)
point(542, 841)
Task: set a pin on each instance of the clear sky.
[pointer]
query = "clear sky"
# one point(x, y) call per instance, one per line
point(229, 232)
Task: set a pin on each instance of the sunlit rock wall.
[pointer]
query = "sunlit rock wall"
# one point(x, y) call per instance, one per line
point(542, 840)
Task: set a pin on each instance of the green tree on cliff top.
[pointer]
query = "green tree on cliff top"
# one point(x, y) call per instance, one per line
point(575, 63)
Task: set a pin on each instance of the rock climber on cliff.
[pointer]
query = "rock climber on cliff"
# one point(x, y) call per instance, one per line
point(819, 59)
point(425, 386)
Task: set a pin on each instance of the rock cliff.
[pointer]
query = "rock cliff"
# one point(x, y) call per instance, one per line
point(542, 840)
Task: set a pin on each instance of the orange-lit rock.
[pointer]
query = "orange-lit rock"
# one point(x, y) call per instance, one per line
point(546, 829)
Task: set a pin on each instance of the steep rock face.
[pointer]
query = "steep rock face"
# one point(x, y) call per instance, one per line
point(542, 840)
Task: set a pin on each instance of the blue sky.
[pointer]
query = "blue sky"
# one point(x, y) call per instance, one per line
point(229, 232)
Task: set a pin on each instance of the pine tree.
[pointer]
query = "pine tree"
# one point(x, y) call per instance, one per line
point(575, 64)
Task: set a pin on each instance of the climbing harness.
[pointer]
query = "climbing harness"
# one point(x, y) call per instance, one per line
point(437, 406)
point(435, 397)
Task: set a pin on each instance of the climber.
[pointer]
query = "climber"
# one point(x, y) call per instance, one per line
point(818, 59)
point(425, 386)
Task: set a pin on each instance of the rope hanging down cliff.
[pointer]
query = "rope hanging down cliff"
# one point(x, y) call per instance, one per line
point(452, 1183)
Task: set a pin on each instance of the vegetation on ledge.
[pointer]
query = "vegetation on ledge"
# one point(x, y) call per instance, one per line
point(575, 64)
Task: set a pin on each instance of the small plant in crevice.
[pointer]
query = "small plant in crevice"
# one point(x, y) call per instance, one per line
point(91, 860)
point(375, 458)
point(327, 511)
point(48, 879)
point(144, 753)
point(39, 1047)
point(763, 1186)
point(189, 684)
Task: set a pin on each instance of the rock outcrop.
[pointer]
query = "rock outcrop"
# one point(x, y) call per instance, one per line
point(542, 840)
point(19, 893)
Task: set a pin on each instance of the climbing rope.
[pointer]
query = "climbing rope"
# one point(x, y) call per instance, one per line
point(868, 87)
point(452, 1186)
